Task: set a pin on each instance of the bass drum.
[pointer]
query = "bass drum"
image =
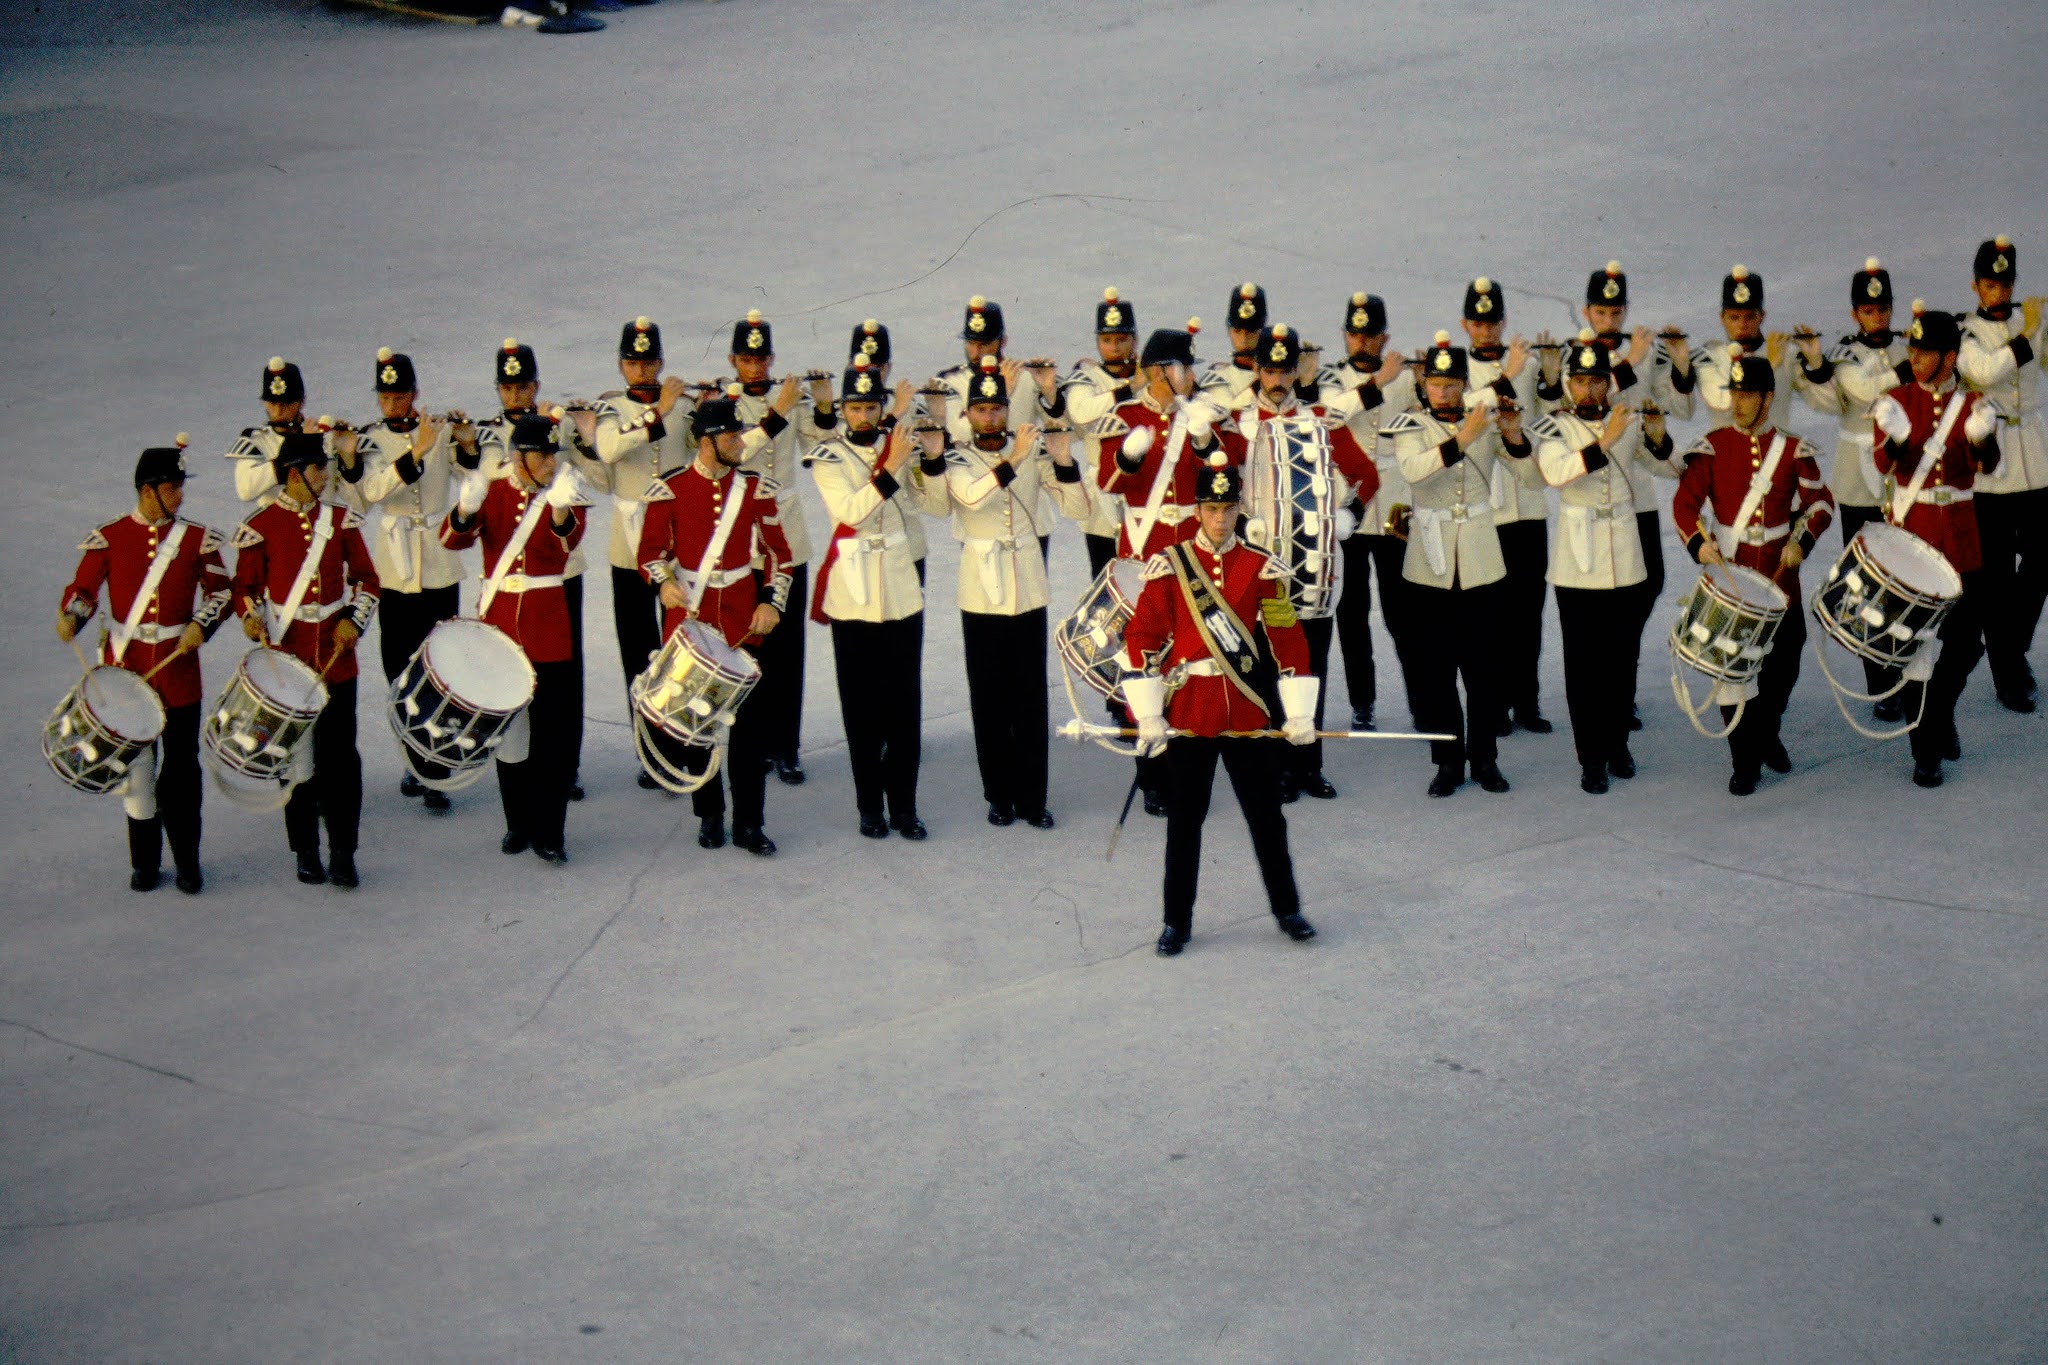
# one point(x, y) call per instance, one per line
point(1091, 641)
point(101, 727)
point(1290, 491)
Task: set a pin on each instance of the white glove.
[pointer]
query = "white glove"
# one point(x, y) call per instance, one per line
point(1147, 699)
point(1298, 701)
point(564, 492)
point(1137, 443)
point(1981, 422)
point(1298, 730)
point(1200, 424)
point(1891, 419)
point(471, 485)
point(1151, 736)
point(1346, 521)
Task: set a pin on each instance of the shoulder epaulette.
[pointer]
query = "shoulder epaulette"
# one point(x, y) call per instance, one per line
point(1546, 428)
point(350, 519)
point(1158, 566)
point(1270, 567)
point(765, 487)
point(247, 537)
point(951, 370)
point(97, 540)
point(659, 490)
point(1402, 421)
point(1703, 446)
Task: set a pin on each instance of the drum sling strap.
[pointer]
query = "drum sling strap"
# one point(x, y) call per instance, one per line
point(1759, 484)
point(716, 546)
point(1176, 438)
point(166, 551)
point(323, 531)
point(514, 548)
point(1223, 634)
point(1930, 456)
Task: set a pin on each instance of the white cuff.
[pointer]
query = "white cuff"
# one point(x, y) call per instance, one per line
point(1146, 695)
point(1298, 696)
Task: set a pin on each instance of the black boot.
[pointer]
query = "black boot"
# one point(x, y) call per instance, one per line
point(341, 870)
point(1593, 779)
point(145, 853)
point(753, 839)
point(711, 832)
point(1487, 775)
point(310, 870)
point(1449, 777)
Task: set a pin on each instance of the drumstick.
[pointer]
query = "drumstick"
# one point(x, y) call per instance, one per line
point(165, 662)
point(83, 662)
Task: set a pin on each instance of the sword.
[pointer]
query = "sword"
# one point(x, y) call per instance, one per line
point(1080, 731)
point(1118, 832)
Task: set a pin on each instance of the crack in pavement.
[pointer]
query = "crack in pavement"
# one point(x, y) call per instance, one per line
point(1830, 890)
point(632, 893)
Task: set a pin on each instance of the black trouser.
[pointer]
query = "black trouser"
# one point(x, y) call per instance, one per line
point(1306, 760)
point(1599, 627)
point(572, 596)
point(881, 703)
point(636, 616)
point(2013, 530)
point(334, 793)
point(1455, 635)
point(745, 766)
point(535, 792)
point(404, 620)
point(1753, 738)
point(781, 656)
point(1645, 593)
point(1876, 677)
point(1363, 554)
point(178, 795)
point(1962, 645)
point(1006, 693)
point(1101, 549)
point(1254, 769)
point(1525, 549)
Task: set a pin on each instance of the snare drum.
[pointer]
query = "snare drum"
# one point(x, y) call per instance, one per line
point(1885, 597)
point(1091, 641)
point(1290, 507)
point(454, 700)
point(261, 723)
point(101, 727)
point(1726, 623)
point(689, 696)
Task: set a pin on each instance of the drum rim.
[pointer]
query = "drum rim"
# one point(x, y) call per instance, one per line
point(1882, 533)
point(463, 623)
point(292, 664)
point(156, 704)
point(1742, 573)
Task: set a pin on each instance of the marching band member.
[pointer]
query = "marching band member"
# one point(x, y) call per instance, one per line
point(871, 593)
point(1192, 651)
point(284, 412)
point(994, 482)
point(1769, 505)
point(714, 547)
point(1584, 450)
point(774, 447)
point(523, 596)
point(1933, 440)
point(1521, 506)
point(305, 583)
point(1742, 318)
point(1853, 374)
point(1093, 393)
point(1285, 384)
point(983, 334)
point(639, 434)
point(402, 466)
point(1453, 567)
point(1225, 385)
point(2000, 358)
point(167, 592)
point(1370, 385)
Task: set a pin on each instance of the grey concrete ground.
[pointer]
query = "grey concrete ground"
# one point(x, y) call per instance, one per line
point(1663, 1075)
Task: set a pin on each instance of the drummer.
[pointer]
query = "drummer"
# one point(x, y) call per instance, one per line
point(1769, 505)
point(305, 584)
point(524, 597)
point(714, 549)
point(167, 592)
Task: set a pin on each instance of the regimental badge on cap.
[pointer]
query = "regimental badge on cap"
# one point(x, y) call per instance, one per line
point(1442, 361)
point(388, 375)
point(1113, 316)
point(512, 369)
point(1735, 372)
point(1278, 355)
point(277, 386)
point(1740, 293)
point(1484, 304)
point(1611, 289)
point(642, 342)
point(1247, 309)
point(1589, 358)
point(977, 315)
point(863, 384)
point(1360, 319)
point(1875, 288)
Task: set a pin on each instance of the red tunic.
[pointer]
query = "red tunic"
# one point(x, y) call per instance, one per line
point(1717, 474)
point(1135, 487)
point(1951, 527)
point(194, 587)
point(683, 512)
point(537, 618)
point(269, 547)
point(1163, 632)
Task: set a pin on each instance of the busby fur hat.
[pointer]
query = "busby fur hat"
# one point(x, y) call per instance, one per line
point(1365, 315)
point(751, 335)
point(1483, 302)
point(862, 383)
point(870, 339)
point(1871, 284)
point(395, 372)
point(1586, 356)
point(1279, 348)
point(983, 321)
point(1219, 480)
point(1608, 286)
point(1247, 309)
point(987, 384)
point(1996, 260)
point(1445, 361)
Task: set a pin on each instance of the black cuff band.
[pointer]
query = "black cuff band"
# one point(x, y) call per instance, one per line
point(1594, 456)
point(885, 483)
point(2022, 349)
point(1693, 544)
point(1121, 393)
point(1681, 380)
point(1006, 474)
point(934, 466)
point(1818, 374)
point(1451, 452)
point(656, 428)
point(1066, 473)
point(825, 418)
point(1903, 371)
point(1624, 375)
point(1369, 395)
point(773, 424)
point(408, 468)
point(1549, 393)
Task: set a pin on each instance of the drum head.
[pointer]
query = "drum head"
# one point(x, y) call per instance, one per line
point(283, 681)
point(122, 702)
point(1749, 587)
point(479, 665)
point(712, 650)
point(1127, 580)
point(1911, 561)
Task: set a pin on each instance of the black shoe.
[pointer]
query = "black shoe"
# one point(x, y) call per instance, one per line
point(409, 785)
point(575, 791)
point(1038, 819)
point(513, 843)
point(1776, 759)
point(1891, 710)
point(1296, 928)
point(999, 814)
point(873, 827)
point(341, 870)
point(711, 832)
point(551, 853)
point(1449, 777)
point(1927, 774)
point(1742, 784)
point(647, 782)
point(144, 879)
point(1361, 718)
point(1623, 764)
point(310, 871)
point(790, 771)
point(910, 827)
point(1155, 804)
point(1318, 786)
point(1487, 775)
point(1290, 789)
point(561, 19)
point(189, 881)
point(438, 801)
point(1171, 941)
point(753, 840)
point(1635, 717)
point(1532, 720)
point(1503, 727)
point(2014, 700)
point(1593, 779)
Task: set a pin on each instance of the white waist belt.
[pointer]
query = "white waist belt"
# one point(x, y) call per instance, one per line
point(1201, 668)
point(1174, 513)
point(316, 611)
point(1939, 496)
point(724, 578)
point(1763, 535)
point(155, 632)
point(521, 582)
point(874, 544)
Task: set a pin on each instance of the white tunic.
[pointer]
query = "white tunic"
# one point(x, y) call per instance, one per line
point(1451, 538)
point(874, 570)
point(1597, 545)
point(1987, 364)
point(405, 539)
point(636, 462)
point(1002, 571)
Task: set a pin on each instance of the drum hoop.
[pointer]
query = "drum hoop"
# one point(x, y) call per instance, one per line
point(447, 692)
point(1741, 576)
point(100, 723)
point(1869, 558)
point(292, 666)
